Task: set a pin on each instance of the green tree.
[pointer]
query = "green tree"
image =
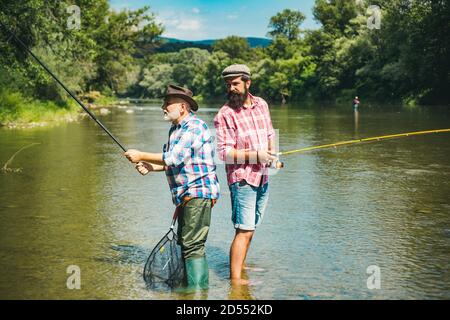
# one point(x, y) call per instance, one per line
point(335, 15)
point(99, 55)
point(190, 64)
point(116, 41)
point(286, 24)
point(425, 51)
point(235, 47)
point(156, 79)
point(210, 83)
point(41, 25)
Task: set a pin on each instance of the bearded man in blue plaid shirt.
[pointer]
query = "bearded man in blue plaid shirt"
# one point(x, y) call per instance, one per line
point(188, 160)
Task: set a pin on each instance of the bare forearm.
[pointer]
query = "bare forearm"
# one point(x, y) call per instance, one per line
point(156, 167)
point(153, 158)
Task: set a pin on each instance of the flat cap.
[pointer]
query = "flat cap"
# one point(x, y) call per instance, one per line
point(236, 70)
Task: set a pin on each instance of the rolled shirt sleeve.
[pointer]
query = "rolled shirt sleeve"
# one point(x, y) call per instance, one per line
point(271, 131)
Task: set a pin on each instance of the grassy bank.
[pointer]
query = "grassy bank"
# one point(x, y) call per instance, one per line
point(19, 111)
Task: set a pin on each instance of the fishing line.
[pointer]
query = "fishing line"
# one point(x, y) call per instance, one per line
point(372, 139)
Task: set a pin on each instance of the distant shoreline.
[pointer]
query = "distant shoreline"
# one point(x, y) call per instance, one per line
point(74, 113)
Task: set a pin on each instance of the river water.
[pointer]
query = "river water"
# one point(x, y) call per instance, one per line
point(336, 220)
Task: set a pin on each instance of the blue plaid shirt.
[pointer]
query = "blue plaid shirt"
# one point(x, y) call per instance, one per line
point(189, 158)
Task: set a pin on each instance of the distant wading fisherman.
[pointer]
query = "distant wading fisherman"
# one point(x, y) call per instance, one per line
point(188, 160)
point(356, 103)
point(245, 141)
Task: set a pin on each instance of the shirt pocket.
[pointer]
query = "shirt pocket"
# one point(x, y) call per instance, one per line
point(242, 140)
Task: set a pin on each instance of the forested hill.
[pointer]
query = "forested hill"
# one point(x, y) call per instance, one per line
point(252, 41)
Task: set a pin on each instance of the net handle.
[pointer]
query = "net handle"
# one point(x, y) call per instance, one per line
point(175, 216)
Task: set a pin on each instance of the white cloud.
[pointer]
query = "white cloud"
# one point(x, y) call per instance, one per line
point(181, 25)
point(167, 22)
point(196, 10)
point(232, 17)
point(189, 25)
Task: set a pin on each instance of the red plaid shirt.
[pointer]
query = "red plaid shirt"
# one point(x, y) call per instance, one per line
point(246, 128)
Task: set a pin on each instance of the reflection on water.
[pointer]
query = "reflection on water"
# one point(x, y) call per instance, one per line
point(331, 214)
point(240, 292)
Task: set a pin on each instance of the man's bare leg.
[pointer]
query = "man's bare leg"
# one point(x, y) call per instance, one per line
point(246, 252)
point(238, 252)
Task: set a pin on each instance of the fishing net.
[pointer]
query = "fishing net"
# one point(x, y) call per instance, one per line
point(164, 269)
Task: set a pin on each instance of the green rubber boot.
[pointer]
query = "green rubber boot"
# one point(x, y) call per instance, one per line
point(197, 273)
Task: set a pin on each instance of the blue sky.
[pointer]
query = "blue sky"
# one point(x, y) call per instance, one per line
point(212, 19)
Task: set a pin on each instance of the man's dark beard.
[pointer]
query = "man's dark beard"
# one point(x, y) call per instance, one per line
point(236, 100)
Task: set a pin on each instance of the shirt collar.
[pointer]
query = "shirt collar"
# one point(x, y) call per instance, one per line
point(253, 100)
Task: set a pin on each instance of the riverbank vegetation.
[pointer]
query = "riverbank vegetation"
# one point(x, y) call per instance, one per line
point(402, 58)
point(99, 55)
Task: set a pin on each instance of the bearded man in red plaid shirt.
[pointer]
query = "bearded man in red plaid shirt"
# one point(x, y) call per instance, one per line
point(245, 141)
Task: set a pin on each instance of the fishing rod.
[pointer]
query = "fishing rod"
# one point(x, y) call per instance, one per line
point(63, 86)
point(351, 142)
